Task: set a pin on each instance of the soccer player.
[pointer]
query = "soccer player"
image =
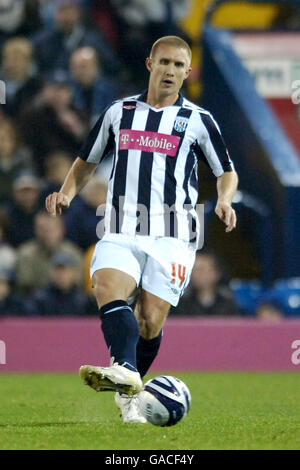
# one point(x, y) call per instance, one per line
point(157, 139)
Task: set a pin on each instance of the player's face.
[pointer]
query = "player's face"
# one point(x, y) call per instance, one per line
point(169, 67)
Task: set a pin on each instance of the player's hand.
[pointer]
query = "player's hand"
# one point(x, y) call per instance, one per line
point(227, 214)
point(55, 202)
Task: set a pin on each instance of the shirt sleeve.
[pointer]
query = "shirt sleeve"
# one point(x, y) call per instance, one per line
point(211, 147)
point(100, 141)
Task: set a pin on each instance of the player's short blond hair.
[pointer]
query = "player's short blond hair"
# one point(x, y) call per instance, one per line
point(174, 41)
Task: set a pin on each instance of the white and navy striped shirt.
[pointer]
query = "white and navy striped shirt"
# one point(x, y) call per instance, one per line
point(154, 178)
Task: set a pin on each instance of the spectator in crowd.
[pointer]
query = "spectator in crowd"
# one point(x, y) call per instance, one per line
point(23, 207)
point(269, 312)
point(106, 19)
point(91, 91)
point(47, 12)
point(56, 167)
point(82, 230)
point(33, 256)
point(281, 300)
point(54, 46)
point(7, 252)
point(141, 23)
point(19, 74)
point(208, 294)
point(288, 16)
point(10, 302)
point(62, 296)
point(13, 159)
point(19, 17)
point(51, 123)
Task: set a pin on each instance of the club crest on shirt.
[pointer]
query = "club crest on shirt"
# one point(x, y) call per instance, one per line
point(180, 124)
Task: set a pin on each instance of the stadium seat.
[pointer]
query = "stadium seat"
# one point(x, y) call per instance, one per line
point(247, 294)
point(285, 295)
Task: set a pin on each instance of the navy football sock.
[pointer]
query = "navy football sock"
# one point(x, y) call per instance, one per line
point(146, 352)
point(121, 332)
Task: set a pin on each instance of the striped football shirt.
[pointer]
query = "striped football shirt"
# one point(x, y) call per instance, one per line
point(153, 186)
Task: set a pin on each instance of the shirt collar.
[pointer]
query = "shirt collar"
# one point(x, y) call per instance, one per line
point(143, 97)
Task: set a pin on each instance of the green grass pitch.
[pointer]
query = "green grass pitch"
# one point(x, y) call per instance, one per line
point(229, 411)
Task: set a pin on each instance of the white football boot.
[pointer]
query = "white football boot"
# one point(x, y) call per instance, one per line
point(115, 377)
point(129, 407)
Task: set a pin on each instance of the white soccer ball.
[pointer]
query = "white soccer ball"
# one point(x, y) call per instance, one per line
point(164, 400)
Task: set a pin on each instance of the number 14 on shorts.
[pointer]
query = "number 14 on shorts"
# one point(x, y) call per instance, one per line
point(178, 273)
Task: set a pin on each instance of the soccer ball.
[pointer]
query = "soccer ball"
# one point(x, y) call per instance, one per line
point(164, 400)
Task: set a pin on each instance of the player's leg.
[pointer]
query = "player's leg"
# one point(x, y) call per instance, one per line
point(111, 284)
point(151, 313)
point(115, 274)
point(119, 326)
point(165, 276)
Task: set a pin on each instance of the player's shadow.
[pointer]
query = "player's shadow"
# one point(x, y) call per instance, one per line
point(40, 425)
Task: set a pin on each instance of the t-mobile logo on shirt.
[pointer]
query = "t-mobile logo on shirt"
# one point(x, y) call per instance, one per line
point(149, 142)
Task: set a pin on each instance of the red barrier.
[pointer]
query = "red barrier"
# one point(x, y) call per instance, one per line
point(52, 344)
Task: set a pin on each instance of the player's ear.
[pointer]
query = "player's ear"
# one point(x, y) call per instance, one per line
point(188, 72)
point(149, 64)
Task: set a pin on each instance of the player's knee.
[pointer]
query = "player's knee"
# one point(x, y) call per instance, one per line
point(107, 289)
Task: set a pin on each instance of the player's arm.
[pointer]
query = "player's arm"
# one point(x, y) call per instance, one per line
point(216, 156)
point(97, 145)
point(226, 187)
point(77, 177)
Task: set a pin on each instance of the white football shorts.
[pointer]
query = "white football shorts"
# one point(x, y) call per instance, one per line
point(160, 265)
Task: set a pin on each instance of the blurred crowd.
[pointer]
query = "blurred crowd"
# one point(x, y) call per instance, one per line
point(62, 62)
point(211, 293)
